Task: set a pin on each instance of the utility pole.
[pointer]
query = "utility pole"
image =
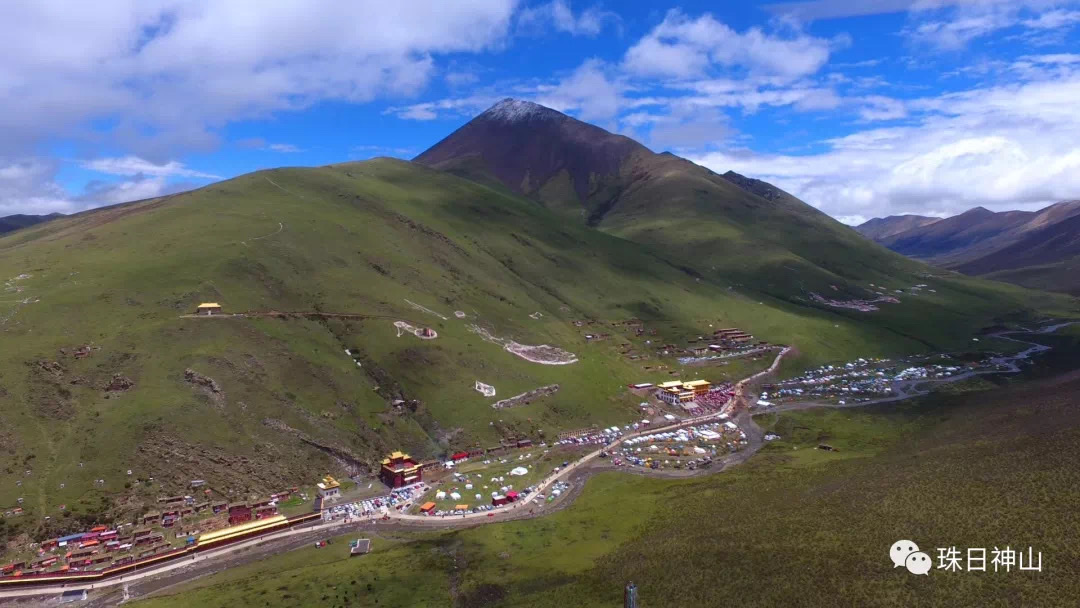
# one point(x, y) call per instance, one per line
point(630, 596)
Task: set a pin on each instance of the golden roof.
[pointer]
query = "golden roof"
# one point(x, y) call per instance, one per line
point(209, 305)
point(257, 523)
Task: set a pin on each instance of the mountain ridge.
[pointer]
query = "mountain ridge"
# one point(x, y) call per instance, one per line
point(18, 221)
point(998, 245)
point(733, 228)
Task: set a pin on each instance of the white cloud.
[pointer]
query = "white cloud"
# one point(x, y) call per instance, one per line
point(102, 193)
point(681, 47)
point(559, 15)
point(751, 97)
point(283, 148)
point(1005, 147)
point(30, 187)
point(133, 165)
point(877, 107)
point(159, 78)
point(1053, 20)
point(837, 9)
point(949, 24)
point(431, 110)
point(259, 143)
point(368, 150)
point(590, 90)
point(176, 72)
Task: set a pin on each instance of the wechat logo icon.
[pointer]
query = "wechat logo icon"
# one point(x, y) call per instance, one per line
point(906, 553)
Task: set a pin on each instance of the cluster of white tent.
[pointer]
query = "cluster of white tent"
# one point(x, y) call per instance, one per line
point(706, 432)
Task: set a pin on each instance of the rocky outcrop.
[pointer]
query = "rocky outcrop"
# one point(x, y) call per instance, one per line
point(207, 385)
point(119, 384)
point(526, 397)
point(343, 456)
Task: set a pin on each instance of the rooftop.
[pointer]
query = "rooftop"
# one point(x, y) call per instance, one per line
point(327, 483)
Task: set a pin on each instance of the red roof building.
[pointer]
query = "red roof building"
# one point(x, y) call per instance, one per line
point(399, 469)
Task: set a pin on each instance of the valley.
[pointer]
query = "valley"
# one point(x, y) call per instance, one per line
point(869, 449)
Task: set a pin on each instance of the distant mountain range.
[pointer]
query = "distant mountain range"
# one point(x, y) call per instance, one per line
point(14, 222)
point(1038, 249)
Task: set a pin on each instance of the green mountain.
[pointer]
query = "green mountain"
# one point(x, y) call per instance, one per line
point(104, 369)
point(730, 228)
point(11, 223)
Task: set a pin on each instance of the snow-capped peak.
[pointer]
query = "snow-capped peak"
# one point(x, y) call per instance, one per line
point(514, 110)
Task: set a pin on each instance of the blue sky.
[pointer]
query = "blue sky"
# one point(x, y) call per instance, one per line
point(861, 108)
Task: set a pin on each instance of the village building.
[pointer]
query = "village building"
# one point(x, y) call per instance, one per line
point(329, 489)
point(678, 392)
point(208, 308)
point(239, 514)
point(399, 469)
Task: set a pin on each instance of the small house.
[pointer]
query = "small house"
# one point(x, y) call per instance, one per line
point(208, 308)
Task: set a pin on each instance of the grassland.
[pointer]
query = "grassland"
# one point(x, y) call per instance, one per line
point(794, 526)
point(356, 238)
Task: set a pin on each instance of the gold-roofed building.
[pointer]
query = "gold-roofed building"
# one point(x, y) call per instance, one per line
point(678, 392)
point(399, 469)
point(329, 488)
point(208, 308)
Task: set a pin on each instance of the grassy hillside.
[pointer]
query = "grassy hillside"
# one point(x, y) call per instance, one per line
point(1045, 259)
point(795, 526)
point(1062, 276)
point(96, 345)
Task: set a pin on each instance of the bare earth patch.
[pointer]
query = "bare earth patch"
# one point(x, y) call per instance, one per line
point(526, 397)
point(859, 305)
point(208, 386)
point(424, 309)
point(543, 354)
